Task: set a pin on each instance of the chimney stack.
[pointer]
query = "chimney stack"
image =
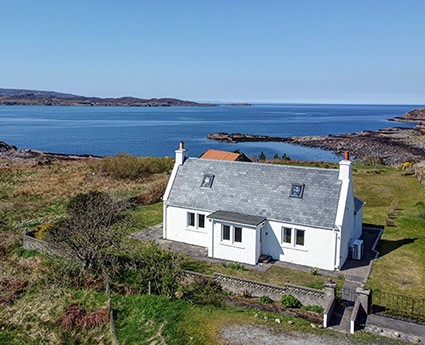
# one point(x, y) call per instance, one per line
point(345, 170)
point(181, 154)
point(346, 155)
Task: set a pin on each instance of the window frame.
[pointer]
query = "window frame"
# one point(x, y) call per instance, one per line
point(234, 239)
point(239, 238)
point(285, 230)
point(199, 216)
point(301, 186)
point(207, 181)
point(229, 229)
point(191, 218)
point(297, 237)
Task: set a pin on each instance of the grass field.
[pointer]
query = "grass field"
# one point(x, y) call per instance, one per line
point(400, 268)
point(35, 195)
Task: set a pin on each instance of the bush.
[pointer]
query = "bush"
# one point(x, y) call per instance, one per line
point(124, 166)
point(235, 266)
point(314, 308)
point(289, 301)
point(246, 293)
point(266, 300)
point(42, 230)
point(314, 271)
point(203, 291)
point(153, 192)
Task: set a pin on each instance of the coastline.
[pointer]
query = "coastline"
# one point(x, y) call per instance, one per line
point(12, 153)
point(394, 145)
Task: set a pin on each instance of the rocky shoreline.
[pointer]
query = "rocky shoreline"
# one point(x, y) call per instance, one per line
point(390, 145)
point(12, 153)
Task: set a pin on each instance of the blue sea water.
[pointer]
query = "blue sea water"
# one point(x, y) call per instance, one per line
point(157, 131)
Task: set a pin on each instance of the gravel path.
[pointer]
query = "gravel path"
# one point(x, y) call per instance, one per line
point(256, 335)
point(261, 335)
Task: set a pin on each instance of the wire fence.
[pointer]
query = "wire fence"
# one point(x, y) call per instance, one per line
point(398, 305)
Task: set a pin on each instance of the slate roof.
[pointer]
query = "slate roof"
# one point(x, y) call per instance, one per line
point(259, 190)
point(237, 217)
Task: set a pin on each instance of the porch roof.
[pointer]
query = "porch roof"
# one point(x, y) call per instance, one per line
point(237, 218)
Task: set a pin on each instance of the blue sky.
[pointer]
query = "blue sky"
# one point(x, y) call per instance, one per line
point(357, 51)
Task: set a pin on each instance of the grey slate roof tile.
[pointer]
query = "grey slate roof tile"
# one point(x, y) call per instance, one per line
point(259, 190)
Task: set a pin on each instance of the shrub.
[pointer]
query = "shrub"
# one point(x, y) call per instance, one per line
point(235, 266)
point(75, 315)
point(314, 271)
point(42, 230)
point(246, 293)
point(153, 192)
point(371, 161)
point(266, 300)
point(203, 291)
point(314, 308)
point(124, 166)
point(289, 301)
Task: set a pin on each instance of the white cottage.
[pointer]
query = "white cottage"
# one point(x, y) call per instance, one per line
point(241, 210)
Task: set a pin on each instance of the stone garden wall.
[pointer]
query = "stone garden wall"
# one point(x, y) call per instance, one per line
point(307, 296)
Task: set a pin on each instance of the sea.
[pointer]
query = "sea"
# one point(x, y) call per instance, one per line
point(157, 131)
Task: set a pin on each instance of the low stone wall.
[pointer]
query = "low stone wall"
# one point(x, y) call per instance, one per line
point(306, 296)
point(31, 243)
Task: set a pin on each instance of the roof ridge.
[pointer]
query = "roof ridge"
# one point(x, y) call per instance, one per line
point(262, 164)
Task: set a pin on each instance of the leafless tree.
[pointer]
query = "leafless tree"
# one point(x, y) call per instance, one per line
point(93, 232)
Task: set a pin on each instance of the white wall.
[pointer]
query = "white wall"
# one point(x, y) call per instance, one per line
point(177, 229)
point(318, 250)
point(245, 252)
point(358, 224)
point(347, 228)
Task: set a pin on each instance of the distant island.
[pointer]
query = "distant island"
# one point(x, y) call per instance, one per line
point(51, 98)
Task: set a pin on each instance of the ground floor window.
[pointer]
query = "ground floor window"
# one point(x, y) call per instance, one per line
point(238, 234)
point(231, 233)
point(293, 237)
point(190, 219)
point(201, 220)
point(287, 235)
point(195, 220)
point(225, 232)
point(300, 237)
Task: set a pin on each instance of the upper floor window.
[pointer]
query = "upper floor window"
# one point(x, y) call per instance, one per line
point(297, 190)
point(207, 180)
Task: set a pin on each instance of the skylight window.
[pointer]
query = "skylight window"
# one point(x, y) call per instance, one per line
point(207, 181)
point(297, 190)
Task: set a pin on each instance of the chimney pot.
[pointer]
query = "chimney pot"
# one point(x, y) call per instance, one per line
point(346, 155)
point(181, 145)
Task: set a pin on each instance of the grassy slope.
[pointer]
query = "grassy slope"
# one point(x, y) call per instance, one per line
point(401, 265)
point(34, 195)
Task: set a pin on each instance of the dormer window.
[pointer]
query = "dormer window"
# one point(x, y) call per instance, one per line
point(207, 181)
point(297, 190)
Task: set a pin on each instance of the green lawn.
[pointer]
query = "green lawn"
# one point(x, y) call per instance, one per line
point(275, 275)
point(400, 268)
